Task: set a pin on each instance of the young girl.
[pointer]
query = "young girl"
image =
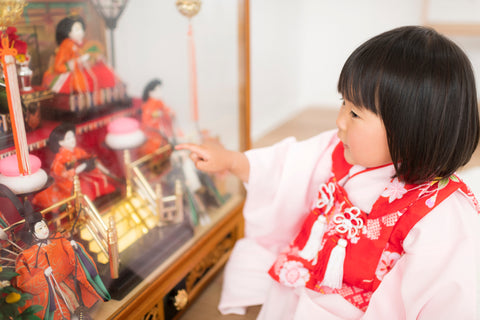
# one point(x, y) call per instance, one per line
point(367, 221)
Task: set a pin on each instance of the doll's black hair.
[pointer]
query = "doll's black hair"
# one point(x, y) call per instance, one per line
point(26, 211)
point(31, 219)
point(58, 134)
point(65, 26)
point(422, 86)
point(149, 87)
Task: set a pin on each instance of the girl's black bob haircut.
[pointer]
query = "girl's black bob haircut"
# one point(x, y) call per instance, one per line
point(422, 86)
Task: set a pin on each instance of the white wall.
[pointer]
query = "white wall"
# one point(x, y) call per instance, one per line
point(151, 42)
point(297, 51)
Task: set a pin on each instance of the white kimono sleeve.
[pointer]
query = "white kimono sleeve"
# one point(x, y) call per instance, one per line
point(436, 278)
point(282, 185)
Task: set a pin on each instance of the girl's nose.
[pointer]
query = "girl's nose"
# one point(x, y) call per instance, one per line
point(341, 118)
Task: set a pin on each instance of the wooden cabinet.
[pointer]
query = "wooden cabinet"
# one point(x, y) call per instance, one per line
point(175, 283)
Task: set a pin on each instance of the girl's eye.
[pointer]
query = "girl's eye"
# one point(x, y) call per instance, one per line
point(353, 114)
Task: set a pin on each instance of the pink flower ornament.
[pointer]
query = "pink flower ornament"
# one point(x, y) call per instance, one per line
point(294, 274)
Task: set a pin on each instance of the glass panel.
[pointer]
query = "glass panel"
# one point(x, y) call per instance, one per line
point(114, 183)
point(160, 49)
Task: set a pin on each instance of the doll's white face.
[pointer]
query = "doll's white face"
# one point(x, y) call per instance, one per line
point(77, 33)
point(41, 230)
point(69, 141)
point(156, 93)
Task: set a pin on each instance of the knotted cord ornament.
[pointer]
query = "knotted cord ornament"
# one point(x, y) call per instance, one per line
point(334, 272)
point(23, 177)
point(15, 105)
point(189, 8)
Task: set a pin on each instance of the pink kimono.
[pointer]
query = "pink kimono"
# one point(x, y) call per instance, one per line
point(436, 277)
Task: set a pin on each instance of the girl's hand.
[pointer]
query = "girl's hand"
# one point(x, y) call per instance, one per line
point(208, 157)
point(212, 157)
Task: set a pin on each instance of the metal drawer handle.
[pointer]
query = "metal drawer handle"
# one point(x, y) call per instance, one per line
point(181, 299)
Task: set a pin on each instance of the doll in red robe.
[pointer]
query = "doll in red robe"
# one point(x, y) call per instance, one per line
point(69, 161)
point(59, 274)
point(157, 118)
point(73, 70)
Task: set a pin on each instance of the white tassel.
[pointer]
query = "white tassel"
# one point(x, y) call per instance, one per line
point(334, 272)
point(311, 248)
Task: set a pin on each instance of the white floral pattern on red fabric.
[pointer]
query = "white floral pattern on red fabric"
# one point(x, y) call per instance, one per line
point(357, 296)
point(294, 274)
point(395, 190)
point(387, 261)
point(390, 219)
point(373, 229)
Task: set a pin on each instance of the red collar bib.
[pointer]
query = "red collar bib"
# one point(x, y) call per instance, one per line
point(340, 247)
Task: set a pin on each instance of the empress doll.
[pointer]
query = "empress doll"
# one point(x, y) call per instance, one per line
point(73, 70)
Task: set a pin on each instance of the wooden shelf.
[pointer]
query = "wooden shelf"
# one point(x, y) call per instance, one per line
point(191, 266)
point(37, 139)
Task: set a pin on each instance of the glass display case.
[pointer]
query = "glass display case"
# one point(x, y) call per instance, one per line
point(141, 229)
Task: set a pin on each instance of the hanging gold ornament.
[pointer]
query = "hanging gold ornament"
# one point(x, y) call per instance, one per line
point(188, 8)
point(10, 12)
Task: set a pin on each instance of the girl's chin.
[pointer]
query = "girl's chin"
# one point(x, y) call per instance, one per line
point(348, 158)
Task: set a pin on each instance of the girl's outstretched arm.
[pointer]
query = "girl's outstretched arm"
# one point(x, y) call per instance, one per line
point(213, 157)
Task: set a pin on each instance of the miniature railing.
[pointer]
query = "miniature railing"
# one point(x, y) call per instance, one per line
point(80, 212)
point(168, 209)
point(78, 203)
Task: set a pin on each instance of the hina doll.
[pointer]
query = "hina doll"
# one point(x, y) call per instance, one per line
point(71, 160)
point(157, 118)
point(73, 70)
point(59, 273)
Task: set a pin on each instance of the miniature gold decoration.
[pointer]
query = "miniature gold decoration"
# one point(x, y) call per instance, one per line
point(188, 8)
point(181, 299)
point(10, 12)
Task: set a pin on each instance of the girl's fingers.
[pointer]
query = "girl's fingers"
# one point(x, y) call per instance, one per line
point(201, 152)
point(194, 157)
point(190, 147)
